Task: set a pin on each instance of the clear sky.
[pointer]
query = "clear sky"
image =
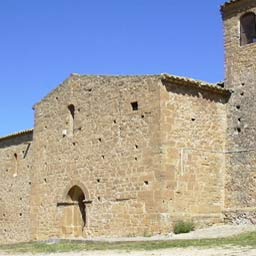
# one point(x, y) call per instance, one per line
point(44, 41)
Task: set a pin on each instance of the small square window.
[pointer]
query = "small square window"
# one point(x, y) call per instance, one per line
point(134, 105)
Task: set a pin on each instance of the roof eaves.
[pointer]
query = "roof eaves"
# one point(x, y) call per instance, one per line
point(196, 83)
point(228, 3)
point(16, 134)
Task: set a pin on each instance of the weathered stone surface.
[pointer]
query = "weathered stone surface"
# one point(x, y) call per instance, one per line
point(240, 187)
point(140, 166)
point(131, 155)
point(193, 138)
point(15, 188)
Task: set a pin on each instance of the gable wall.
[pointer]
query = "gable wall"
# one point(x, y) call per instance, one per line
point(141, 170)
point(120, 177)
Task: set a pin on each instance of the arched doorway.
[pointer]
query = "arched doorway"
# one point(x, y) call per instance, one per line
point(74, 215)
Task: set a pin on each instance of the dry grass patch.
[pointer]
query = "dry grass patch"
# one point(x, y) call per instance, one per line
point(244, 240)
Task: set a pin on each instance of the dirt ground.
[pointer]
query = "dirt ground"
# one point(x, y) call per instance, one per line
point(205, 233)
point(166, 252)
point(212, 232)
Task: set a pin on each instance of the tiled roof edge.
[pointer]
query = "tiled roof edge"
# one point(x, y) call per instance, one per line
point(196, 83)
point(228, 3)
point(16, 134)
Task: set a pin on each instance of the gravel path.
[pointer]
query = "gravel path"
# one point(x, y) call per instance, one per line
point(166, 252)
point(212, 232)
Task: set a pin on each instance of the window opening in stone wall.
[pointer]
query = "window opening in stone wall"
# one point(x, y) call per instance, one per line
point(71, 109)
point(135, 105)
point(15, 165)
point(248, 29)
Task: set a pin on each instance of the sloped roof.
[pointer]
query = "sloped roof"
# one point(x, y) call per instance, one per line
point(227, 9)
point(229, 3)
point(17, 134)
point(218, 87)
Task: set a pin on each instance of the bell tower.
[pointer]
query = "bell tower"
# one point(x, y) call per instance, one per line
point(239, 17)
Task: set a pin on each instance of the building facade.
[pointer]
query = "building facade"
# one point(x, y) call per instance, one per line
point(131, 155)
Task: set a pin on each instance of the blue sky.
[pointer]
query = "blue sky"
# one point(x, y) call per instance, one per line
point(44, 41)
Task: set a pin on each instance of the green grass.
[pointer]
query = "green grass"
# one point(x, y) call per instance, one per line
point(244, 240)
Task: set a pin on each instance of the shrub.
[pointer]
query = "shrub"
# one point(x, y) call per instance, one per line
point(147, 234)
point(183, 227)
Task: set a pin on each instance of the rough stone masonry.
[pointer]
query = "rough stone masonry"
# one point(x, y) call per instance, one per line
point(131, 155)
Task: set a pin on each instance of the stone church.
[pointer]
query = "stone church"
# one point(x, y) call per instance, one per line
point(131, 155)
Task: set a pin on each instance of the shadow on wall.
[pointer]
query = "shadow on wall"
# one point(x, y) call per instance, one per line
point(16, 140)
point(196, 92)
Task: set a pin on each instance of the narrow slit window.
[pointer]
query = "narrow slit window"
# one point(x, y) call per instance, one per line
point(71, 109)
point(15, 165)
point(248, 29)
point(135, 105)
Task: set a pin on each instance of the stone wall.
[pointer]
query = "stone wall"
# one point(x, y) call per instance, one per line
point(193, 124)
point(141, 164)
point(117, 156)
point(240, 77)
point(126, 156)
point(15, 159)
point(109, 148)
